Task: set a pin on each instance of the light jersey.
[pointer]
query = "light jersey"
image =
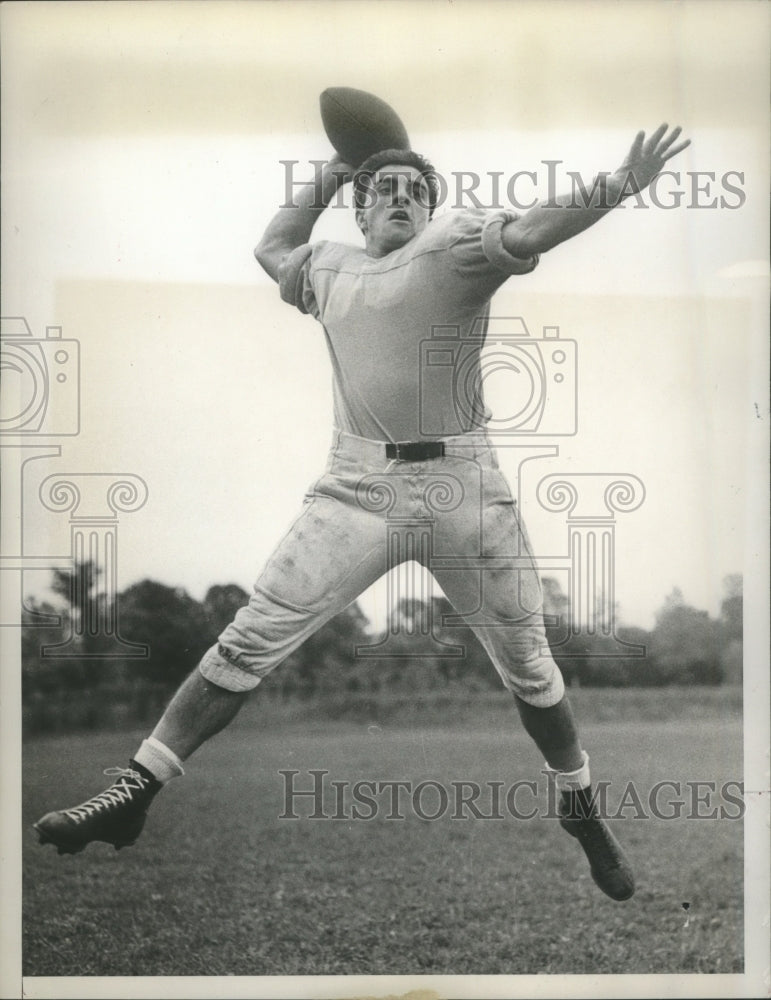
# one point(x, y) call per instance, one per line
point(405, 331)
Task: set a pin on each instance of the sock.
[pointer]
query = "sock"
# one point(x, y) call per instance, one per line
point(577, 803)
point(161, 762)
point(567, 781)
point(576, 791)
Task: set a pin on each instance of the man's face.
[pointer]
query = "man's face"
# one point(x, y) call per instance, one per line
point(397, 209)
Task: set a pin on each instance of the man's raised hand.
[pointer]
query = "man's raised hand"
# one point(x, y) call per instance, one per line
point(647, 157)
point(337, 165)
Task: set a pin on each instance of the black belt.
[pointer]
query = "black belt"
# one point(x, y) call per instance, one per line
point(415, 451)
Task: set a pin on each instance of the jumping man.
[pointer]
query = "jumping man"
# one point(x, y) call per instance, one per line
point(376, 305)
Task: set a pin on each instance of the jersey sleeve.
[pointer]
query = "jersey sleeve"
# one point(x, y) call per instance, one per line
point(478, 249)
point(294, 280)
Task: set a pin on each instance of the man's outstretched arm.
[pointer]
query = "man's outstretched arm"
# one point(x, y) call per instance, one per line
point(292, 225)
point(547, 225)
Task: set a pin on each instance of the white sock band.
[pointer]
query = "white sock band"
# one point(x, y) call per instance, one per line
point(161, 762)
point(571, 780)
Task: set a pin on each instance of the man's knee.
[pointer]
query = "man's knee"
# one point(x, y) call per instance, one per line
point(220, 667)
point(537, 681)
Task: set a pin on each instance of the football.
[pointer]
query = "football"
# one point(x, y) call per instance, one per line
point(359, 124)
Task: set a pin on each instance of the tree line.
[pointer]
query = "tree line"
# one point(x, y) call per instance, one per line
point(75, 675)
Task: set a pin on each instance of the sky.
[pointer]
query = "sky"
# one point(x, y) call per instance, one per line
point(141, 162)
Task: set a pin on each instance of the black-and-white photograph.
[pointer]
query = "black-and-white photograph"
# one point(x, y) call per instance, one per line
point(384, 468)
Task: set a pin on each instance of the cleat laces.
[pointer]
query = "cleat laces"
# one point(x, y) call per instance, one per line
point(121, 791)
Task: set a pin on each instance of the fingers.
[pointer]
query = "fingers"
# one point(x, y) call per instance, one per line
point(637, 145)
point(654, 140)
point(658, 145)
point(339, 164)
point(677, 149)
point(670, 139)
point(655, 144)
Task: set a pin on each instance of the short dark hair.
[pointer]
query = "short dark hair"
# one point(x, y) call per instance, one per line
point(403, 158)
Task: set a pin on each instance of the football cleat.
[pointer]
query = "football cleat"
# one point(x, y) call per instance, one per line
point(115, 816)
point(608, 864)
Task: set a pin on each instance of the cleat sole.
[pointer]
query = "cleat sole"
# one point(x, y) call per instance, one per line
point(44, 838)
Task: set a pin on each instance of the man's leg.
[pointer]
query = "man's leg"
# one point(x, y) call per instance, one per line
point(553, 730)
point(520, 655)
point(332, 552)
point(506, 604)
point(555, 734)
point(197, 711)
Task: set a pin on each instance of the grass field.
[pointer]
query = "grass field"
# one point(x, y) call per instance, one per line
point(218, 885)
